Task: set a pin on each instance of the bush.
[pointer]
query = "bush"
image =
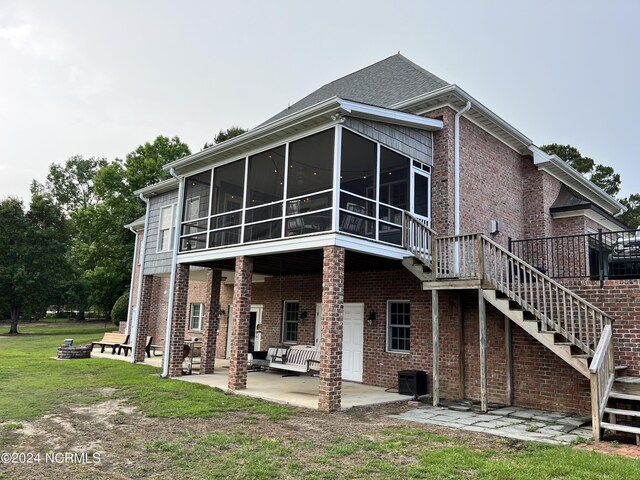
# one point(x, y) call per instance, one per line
point(120, 309)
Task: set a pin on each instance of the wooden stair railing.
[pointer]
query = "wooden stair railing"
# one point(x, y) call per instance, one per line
point(602, 371)
point(557, 308)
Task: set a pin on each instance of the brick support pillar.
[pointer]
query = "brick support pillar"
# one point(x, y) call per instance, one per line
point(331, 327)
point(240, 331)
point(210, 327)
point(179, 319)
point(144, 318)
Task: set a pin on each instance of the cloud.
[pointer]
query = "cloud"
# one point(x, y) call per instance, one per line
point(84, 85)
point(27, 39)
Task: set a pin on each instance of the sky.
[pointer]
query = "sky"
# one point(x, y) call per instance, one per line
point(100, 78)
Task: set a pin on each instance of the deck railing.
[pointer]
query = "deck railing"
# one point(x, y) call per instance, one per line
point(418, 238)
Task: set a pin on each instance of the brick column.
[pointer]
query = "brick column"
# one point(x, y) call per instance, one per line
point(178, 319)
point(330, 388)
point(144, 317)
point(210, 327)
point(240, 331)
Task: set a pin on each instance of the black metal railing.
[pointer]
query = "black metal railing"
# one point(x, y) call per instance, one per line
point(596, 256)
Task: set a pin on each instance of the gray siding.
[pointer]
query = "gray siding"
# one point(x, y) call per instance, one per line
point(415, 143)
point(156, 263)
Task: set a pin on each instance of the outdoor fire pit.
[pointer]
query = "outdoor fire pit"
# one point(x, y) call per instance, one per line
point(69, 351)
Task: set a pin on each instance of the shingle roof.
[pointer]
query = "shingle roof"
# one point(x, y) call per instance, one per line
point(382, 84)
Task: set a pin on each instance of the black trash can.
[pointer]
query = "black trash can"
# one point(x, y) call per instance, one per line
point(412, 382)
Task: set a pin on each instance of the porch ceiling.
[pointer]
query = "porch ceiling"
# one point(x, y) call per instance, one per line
point(306, 261)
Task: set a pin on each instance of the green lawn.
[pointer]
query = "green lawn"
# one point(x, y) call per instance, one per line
point(239, 437)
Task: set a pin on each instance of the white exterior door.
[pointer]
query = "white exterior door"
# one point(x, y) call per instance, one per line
point(352, 340)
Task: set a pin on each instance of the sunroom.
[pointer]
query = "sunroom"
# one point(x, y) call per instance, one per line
point(339, 173)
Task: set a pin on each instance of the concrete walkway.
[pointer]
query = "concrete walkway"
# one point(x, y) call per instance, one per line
point(509, 422)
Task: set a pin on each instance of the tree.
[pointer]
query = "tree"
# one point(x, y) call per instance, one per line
point(632, 216)
point(71, 185)
point(103, 248)
point(601, 175)
point(224, 135)
point(34, 271)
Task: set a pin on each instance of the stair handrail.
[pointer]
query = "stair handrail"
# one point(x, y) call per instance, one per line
point(418, 238)
point(602, 376)
point(534, 271)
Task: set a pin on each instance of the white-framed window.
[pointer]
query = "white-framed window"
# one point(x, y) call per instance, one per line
point(192, 208)
point(290, 321)
point(398, 326)
point(166, 228)
point(196, 315)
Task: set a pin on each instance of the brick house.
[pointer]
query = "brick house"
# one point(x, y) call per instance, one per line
point(373, 218)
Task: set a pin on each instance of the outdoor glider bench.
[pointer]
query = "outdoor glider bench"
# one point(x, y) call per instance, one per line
point(296, 359)
point(127, 346)
point(111, 339)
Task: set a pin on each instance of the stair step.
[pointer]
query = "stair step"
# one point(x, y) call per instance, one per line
point(580, 355)
point(618, 427)
point(627, 379)
point(620, 411)
point(624, 396)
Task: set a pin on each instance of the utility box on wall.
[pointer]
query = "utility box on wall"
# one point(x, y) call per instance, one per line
point(412, 382)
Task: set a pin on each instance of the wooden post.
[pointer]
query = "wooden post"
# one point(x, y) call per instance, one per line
point(436, 347)
point(480, 256)
point(482, 313)
point(509, 359)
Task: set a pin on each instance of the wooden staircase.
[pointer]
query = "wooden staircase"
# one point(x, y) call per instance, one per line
point(575, 330)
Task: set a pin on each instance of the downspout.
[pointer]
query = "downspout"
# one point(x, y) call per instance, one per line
point(133, 270)
point(172, 282)
point(133, 330)
point(456, 161)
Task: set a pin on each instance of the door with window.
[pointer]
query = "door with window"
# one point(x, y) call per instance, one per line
point(421, 191)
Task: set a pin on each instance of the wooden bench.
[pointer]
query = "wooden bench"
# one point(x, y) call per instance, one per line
point(297, 358)
point(111, 339)
point(127, 347)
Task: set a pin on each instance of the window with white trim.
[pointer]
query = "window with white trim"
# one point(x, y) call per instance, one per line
point(290, 321)
point(167, 228)
point(398, 326)
point(196, 315)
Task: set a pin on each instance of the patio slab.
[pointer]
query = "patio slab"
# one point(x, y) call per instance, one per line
point(296, 391)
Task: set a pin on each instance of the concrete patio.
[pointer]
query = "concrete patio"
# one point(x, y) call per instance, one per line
point(297, 391)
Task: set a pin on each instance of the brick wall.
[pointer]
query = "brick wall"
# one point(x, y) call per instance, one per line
point(621, 300)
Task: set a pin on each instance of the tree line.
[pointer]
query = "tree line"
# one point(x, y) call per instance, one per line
point(70, 249)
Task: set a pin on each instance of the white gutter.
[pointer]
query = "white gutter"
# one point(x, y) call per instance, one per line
point(134, 326)
point(456, 161)
point(542, 160)
point(172, 282)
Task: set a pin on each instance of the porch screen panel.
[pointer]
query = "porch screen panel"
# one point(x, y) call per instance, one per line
point(228, 196)
point(195, 211)
point(266, 177)
point(310, 164)
point(394, 194)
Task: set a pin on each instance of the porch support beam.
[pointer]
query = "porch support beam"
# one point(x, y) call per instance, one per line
point(482, 314)
point(240, 331)
point(461, 349)
point(331, 329)
point(140, 328)
point(210, 327)
point(436, 347)
point(178, 319)
point(509, 359)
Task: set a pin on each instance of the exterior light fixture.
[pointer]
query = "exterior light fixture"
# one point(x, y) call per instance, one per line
point(372, 317)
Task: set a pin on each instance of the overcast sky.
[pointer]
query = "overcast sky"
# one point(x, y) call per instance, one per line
point(100, 78)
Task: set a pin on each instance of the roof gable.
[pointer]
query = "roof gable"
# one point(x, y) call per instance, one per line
point(382, 84)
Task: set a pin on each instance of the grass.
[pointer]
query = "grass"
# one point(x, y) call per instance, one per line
point(32, 384)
